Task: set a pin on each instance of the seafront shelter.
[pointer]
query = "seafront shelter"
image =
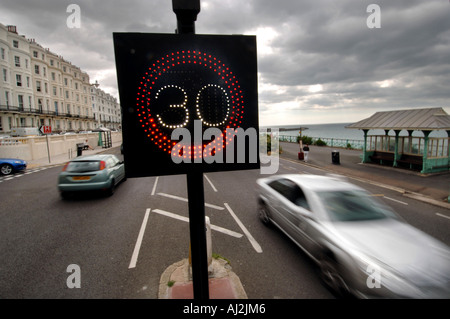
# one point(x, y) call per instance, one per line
point(420, 142)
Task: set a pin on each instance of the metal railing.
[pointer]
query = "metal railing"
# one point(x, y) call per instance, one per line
point(28, 110)
point(332, 142)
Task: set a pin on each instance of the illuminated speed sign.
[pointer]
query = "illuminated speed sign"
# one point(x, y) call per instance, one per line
point(187, 100)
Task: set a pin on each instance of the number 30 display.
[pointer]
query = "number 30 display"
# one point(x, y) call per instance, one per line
point(169, 81)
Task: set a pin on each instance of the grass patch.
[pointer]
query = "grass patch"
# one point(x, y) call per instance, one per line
point(171, 283)
point(217, 256)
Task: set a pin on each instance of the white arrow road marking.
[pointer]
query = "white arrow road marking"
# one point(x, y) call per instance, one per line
point(252, 240)
point(185, 200)
point(185, 219)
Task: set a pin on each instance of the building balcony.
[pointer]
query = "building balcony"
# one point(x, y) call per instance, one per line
point(31, 111)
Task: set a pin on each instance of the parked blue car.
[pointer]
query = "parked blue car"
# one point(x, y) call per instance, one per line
point(11, 165)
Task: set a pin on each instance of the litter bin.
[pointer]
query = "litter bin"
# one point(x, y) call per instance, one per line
point(80, 149)
point(335, 157)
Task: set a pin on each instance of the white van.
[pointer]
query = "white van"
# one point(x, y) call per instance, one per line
point(25, 131)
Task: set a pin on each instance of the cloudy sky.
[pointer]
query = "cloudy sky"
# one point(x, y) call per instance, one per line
point(319, 61)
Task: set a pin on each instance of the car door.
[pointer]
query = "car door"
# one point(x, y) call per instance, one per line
point(295, 215)
point(275, 200)
point(285, 217)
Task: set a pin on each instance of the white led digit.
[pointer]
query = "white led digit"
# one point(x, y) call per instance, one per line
point(186, 120)
point(198, 106)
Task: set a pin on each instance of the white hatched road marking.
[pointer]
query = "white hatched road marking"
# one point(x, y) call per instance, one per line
point(137, 247)
point(185, 200)
point(186, 219)
point(252, 240)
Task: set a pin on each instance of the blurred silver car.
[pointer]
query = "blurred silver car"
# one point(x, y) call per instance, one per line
point(361, 246)
point(91, 172)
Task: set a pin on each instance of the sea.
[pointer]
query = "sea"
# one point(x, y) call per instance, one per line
point(338, 131)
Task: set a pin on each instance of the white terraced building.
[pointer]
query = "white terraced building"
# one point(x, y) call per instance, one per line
point(39, 87)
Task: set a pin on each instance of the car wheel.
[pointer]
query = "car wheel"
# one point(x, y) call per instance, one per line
point(6, 169)
point(111, 188)
point(263, 214)
point(65, 195)
point(330, 276)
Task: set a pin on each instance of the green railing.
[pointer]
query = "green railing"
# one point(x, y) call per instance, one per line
point(332, 142)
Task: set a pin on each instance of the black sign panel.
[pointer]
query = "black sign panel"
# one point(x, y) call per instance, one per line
point(188, 102)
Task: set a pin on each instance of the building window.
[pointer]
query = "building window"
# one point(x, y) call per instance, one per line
point(17, 61)
point(53, 76)
point(35, 54)
point(54, 90)
point(19, 80)
point(38, 86)
point(36, 69)
point(15, 43)
point(3, 53)
point(7, 98)
point(20, 99)
point(5, 73)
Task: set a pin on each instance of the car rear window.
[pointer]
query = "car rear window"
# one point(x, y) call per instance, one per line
point(83, 166)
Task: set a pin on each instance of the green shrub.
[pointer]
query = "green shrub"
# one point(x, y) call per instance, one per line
point(305, 140)
point(319, 142)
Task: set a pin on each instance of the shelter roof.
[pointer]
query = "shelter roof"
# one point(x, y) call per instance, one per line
point(427, 119)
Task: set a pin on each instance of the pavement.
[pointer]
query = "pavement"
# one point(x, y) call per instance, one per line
point(433, 188)
point(176, 281)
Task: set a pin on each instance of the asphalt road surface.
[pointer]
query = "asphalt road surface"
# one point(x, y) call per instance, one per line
point(123, 243)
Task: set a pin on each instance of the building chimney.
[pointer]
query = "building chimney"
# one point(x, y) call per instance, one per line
point(12, 28)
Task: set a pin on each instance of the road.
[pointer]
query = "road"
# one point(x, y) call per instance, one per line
point(123, 243)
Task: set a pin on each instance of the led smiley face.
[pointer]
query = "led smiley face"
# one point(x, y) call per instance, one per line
point(183, 86)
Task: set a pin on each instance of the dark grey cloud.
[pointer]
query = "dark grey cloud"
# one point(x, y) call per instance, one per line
point(322, 54)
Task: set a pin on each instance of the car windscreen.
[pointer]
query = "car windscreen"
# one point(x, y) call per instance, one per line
point(83, 166)
point(352, 205)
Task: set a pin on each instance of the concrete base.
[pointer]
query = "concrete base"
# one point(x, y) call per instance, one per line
point(223, 282)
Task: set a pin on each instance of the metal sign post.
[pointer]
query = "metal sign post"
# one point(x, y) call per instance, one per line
point(46, 130)
point(186, 12)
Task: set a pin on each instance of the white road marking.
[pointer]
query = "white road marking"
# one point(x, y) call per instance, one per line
point(186, 219)
point(137, 247)
point(185, 200)
point(252, 240)
point(210, 183)
point(445, 216)
point(154, 185)
point(395, 200)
